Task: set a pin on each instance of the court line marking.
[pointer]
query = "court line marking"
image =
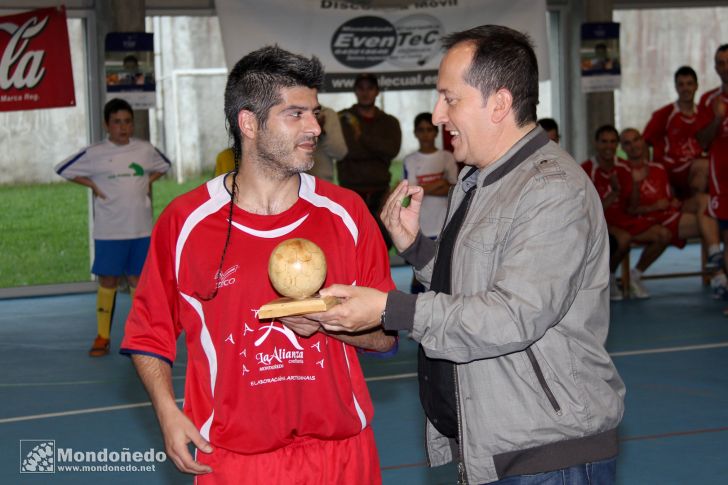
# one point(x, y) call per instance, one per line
point(73, 383)
point(670, 349)
point(368, 379)
point(662, 350)
point(78, 411)
point(674, 433)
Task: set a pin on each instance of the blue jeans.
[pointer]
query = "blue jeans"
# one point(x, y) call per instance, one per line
point(595, 473)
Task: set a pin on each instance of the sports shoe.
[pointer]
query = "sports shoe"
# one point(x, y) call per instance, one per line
point(100, 347)
point(719, 287)
point(636, 288)
point(615, 294)
point(714, 261)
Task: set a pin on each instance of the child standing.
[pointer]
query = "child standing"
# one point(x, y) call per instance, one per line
point(119, 171)
point(435, 171)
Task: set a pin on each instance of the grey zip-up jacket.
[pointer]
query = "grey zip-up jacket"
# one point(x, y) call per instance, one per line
point(526, 321)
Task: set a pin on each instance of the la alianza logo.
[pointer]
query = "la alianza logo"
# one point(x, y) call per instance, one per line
point(19, 67)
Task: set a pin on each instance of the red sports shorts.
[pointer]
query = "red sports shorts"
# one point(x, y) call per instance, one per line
point(307, 461)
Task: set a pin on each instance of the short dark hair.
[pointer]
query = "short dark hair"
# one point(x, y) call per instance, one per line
point(605, 129)
point(366, 76)
point(686, 71)
point(130, 58)
point(503, 58)
point(255, 82)
point(721, 48)
point(114, 105)
point(424, 117)
point(549, 124)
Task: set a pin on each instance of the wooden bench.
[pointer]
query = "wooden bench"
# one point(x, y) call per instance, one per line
point(703, 273)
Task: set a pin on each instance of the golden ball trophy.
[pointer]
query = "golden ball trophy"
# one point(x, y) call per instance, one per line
point(297, 269)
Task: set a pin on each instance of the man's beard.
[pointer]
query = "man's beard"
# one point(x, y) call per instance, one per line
point(276, 157)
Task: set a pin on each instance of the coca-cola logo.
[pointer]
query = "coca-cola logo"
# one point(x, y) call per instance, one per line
point(19, 67)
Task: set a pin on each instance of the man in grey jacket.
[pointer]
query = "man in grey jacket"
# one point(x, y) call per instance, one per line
point(514, 376)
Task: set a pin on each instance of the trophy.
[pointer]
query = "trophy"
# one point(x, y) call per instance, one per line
point(297, 269)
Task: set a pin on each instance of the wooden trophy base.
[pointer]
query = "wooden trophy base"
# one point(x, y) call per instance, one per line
point(286, 307)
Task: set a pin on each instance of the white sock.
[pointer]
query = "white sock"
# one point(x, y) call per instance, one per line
point(719, 279)
point(636, 274)
point(713, 248)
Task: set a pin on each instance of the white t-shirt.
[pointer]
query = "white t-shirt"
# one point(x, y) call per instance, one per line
point(421, 168)
point(121, 172)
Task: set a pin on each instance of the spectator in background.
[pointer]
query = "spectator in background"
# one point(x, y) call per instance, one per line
point(119, 171)
point(224, 162)
point(330, 147)
point(435, 171)
point(623, 228)
point(646, 192)
point(671, 132)
point(373, 139)
point(551, 128)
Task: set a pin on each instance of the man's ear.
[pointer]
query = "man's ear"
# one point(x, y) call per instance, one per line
point(502, 103)
point(248, 124)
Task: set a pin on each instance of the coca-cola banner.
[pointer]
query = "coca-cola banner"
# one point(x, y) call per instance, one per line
point(35, 67)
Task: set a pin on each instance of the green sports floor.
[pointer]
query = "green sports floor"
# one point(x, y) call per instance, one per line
point(671, 350)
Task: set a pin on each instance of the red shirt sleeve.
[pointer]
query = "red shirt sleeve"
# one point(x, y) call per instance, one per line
point(705, 111)
point(656, 128)
point(153, 325)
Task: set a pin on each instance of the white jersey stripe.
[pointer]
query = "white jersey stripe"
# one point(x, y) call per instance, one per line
point(218, 198)
point(359, 411)
point(308, 193)
point(273, 233)
point(209, 349)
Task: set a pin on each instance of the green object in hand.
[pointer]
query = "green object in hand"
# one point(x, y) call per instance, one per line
point(406, 201)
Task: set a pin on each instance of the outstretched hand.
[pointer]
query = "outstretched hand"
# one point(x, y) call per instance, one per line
point(360, 309)
point(402, 222)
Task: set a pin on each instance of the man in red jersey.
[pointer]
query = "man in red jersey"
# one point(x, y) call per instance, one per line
point(623, 227)
point(264, 402)
point(713, 136)
point(646, 192)
point(671, 132)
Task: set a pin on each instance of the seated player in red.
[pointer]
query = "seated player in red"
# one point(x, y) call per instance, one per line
point(646, 192)
point(623, 228)
point(672, 133)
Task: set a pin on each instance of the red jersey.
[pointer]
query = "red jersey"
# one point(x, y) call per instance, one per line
point(718, 175)
point(602, 181)
point(253, 386)
point(654, 187)
point(672, 136)
point(615, 214)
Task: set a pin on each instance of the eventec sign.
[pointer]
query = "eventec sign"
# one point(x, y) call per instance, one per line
point(401, 46)
point(35, 66)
